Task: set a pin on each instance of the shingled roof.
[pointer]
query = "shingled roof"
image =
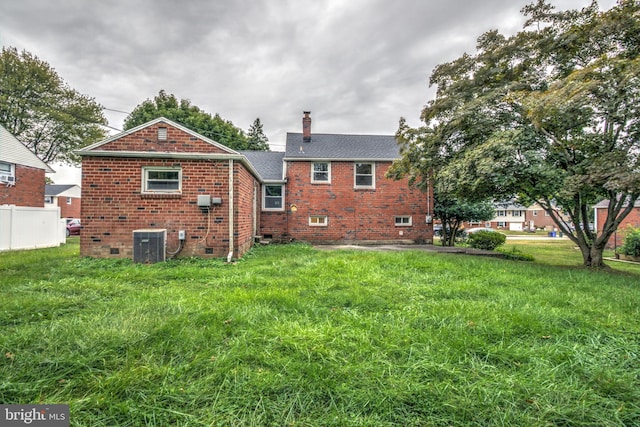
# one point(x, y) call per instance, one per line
point(268, 164)
point(57, 189)
point(341, 147)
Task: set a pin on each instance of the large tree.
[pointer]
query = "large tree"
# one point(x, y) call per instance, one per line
point(551, 115)
point(190, 116)
point(256, 139)
point(43, 112)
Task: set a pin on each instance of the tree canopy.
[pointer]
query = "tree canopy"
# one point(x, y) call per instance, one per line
point(190, 116)
point(43, 112)
point(550, 115)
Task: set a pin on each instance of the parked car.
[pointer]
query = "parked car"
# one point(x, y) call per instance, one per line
point(73, 227)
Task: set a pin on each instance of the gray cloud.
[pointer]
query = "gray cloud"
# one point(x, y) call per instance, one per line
point(358, 65)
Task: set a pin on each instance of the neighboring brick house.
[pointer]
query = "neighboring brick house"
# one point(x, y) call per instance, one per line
point(633, 220)
point(539, 218)
point(66, 197)
point(509, 216)
point(325, 188)
point(22, 173)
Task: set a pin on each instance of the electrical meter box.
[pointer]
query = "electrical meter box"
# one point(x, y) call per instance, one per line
point(149, 246)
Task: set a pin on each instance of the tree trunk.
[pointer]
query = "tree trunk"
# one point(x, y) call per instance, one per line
point(592, 256)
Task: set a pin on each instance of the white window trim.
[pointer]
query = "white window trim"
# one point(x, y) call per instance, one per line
point(147, 169)
point(11, 173)
point(403, 224)
point(324, 221)
point(315, 181)
point(373, 175)
point(264, 198)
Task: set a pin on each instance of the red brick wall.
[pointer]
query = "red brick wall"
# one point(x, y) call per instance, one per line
point(146, 140)
point(617, 240)
point(354, 215)
point(28, 189)
point(245, 186)
point(69, 210)
point(113, 206)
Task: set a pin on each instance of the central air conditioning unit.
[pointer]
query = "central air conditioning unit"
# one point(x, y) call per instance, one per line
point(149, 246)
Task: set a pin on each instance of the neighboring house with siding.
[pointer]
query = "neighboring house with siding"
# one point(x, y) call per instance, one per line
point(66, 197)
point(325, 188)
point(22, 173)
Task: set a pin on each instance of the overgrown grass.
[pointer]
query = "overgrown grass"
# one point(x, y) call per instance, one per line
point(294, 336)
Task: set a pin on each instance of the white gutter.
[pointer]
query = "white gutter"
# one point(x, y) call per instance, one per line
point(231, 248)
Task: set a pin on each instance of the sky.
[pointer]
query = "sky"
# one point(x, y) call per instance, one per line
point(357, 65)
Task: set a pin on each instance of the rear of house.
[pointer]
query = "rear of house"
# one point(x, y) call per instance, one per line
point(164, 177)
point(334, 190)
point(205, 199)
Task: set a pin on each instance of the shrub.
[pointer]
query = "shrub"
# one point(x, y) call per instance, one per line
point(516, 254)
point(631, 245)
point(488, 240)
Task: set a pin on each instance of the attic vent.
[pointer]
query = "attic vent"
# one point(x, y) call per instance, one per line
point(162, 134)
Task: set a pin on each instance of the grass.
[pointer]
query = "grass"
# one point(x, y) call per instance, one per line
point(295, 336)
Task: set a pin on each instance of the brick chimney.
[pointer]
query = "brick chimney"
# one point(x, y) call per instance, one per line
point(306, 127)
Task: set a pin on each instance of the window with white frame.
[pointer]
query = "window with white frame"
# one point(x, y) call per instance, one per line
point(318, 220)
point(48, 200)
point(161, 180)
point(273, 197)
point(502, 224)
point(7, 172)
point(402, 221)
point(517, 213)
point(501, 213)
point(535, 213)
point(69, 200)
point(364, 175)
point(321, 172)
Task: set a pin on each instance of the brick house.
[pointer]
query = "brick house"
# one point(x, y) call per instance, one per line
point(22, 173)
point(324, 188)
point(66, 197)
point(633, 220)
point(336, 191)
point(157, 176)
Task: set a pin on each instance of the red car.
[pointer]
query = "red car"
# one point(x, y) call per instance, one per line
point(73, 227)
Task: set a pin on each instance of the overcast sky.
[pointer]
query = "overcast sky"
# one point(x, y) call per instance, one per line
point(357, 65)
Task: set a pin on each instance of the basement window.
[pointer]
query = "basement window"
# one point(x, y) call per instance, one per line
point(403, 221)
point(161, 180)
point(318, 220)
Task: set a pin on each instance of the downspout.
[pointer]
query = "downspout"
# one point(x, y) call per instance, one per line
point(231, 201)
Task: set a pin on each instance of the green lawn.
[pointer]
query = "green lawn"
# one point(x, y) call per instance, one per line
point(293, 336)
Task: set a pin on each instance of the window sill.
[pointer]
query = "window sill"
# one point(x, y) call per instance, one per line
point(160, 195)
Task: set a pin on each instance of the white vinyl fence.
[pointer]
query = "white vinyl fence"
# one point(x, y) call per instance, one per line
point(30, 228)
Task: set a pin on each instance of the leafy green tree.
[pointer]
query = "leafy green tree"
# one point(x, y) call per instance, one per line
point(43, 112)
point(256, 139)
point(550, 115)
point(453, 212)
point(190, 116)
